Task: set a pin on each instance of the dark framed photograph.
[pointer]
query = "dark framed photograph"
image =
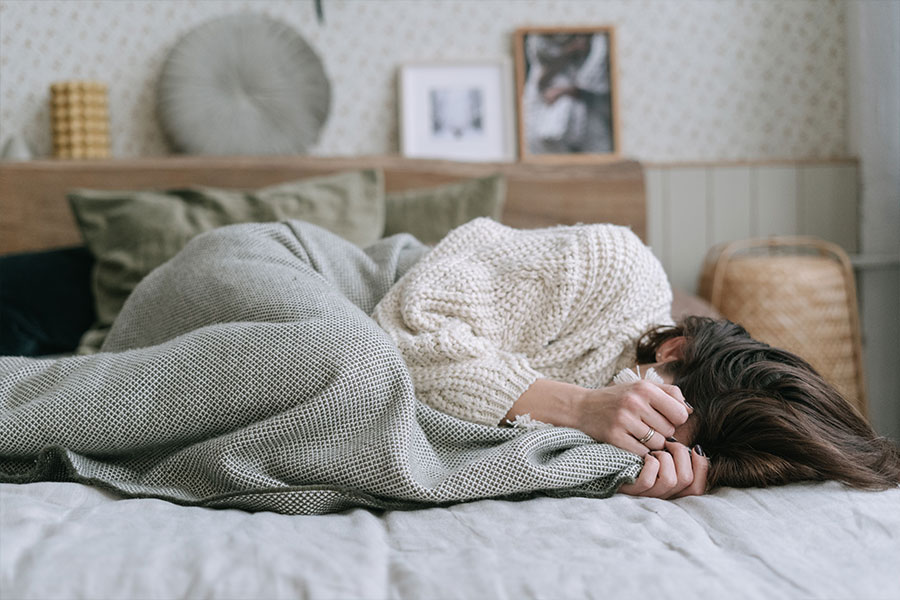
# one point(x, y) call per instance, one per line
point(566, 94)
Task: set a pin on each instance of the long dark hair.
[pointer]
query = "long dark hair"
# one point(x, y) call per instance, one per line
point(765, 417)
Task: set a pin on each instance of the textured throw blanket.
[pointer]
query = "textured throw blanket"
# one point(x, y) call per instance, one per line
point(246, 373)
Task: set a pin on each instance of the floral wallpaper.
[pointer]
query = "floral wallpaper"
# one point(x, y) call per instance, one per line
point(698, 80)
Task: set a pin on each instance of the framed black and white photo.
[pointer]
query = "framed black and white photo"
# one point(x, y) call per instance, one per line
point(566, 94)
point(457, 111)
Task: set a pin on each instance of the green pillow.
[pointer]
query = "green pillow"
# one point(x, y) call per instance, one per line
point(130, 233)
point(430, 213)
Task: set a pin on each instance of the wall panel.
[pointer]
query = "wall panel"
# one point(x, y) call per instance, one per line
point(775, 198)
point(731, 214)
point(686, 224)
point(656, 231)
point(827, 197)
point(693, 207)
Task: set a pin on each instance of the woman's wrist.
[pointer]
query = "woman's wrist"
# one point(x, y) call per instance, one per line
point(550, 401)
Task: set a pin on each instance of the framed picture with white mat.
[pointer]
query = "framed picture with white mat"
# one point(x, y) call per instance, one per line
point(460, 110)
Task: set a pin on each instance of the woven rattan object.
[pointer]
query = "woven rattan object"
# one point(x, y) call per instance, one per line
point(795, 293)
point(80, 117)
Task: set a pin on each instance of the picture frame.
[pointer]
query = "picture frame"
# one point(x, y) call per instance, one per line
point(459, 110)
point(567, 94)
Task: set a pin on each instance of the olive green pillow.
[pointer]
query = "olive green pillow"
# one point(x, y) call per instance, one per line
point(130, 233)
point(430, 213)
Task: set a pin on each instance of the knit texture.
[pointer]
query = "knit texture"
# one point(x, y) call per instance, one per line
point(246, 373)
point(492, 309)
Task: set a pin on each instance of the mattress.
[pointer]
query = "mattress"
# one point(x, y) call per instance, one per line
point(67, 540)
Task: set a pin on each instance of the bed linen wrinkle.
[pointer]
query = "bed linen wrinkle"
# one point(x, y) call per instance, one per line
point(605, 549)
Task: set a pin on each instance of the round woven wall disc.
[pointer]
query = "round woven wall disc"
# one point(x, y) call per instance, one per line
point(243, 84)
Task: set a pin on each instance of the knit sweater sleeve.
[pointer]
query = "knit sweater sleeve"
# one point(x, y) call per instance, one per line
point(471, 314)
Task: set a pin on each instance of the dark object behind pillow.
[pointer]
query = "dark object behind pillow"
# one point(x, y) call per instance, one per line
point(46, 302)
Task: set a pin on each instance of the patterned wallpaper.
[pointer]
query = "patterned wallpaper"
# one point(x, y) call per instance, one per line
point(698, 79)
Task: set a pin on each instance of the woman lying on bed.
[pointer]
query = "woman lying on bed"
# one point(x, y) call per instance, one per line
point(501, 326)
point(246, 373)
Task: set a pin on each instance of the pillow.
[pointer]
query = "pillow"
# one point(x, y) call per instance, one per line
point(45, 301)
point(430, 213)
point(130, 233)
point(254, 71)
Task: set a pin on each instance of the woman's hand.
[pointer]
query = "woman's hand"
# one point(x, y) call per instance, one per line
point(637, 417)
point(671, 473)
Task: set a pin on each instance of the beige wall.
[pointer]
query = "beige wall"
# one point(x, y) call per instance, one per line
point(706, 80)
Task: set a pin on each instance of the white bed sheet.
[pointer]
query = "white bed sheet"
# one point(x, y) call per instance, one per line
point(65, 540)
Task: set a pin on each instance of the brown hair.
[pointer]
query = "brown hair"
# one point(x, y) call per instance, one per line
point(765, 417)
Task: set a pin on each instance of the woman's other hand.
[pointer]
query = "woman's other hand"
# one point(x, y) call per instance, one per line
point(637, 417)
point(674, 472)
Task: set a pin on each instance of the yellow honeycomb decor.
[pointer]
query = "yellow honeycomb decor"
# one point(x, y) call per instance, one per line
point(79, 114)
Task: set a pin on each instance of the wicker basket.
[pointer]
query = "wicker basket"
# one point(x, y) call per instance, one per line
point(795, 293)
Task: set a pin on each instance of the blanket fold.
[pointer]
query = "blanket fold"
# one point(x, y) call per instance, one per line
point(247, 373)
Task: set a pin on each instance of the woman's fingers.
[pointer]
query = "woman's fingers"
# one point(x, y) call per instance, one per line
point(639, 430)
point(674, 410)
point(666, 478)
point(648, 410)
point(700, 466)
point(636, 417)
point(672, 473)
point(675, 392)
point(661, 425)
point(660, 411)
point(626, 441)
point(645, 480)
point(684, 469)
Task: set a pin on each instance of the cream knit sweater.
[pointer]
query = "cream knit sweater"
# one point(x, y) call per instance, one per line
point(491, 309)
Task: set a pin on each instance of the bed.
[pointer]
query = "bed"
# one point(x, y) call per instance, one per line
point(69, 540)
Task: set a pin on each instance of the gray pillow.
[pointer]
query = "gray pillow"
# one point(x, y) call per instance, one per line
point(243, 84)
point(430, 213)
point(130, 233)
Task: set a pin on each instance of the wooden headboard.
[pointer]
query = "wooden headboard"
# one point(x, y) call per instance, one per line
point(35, 215)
